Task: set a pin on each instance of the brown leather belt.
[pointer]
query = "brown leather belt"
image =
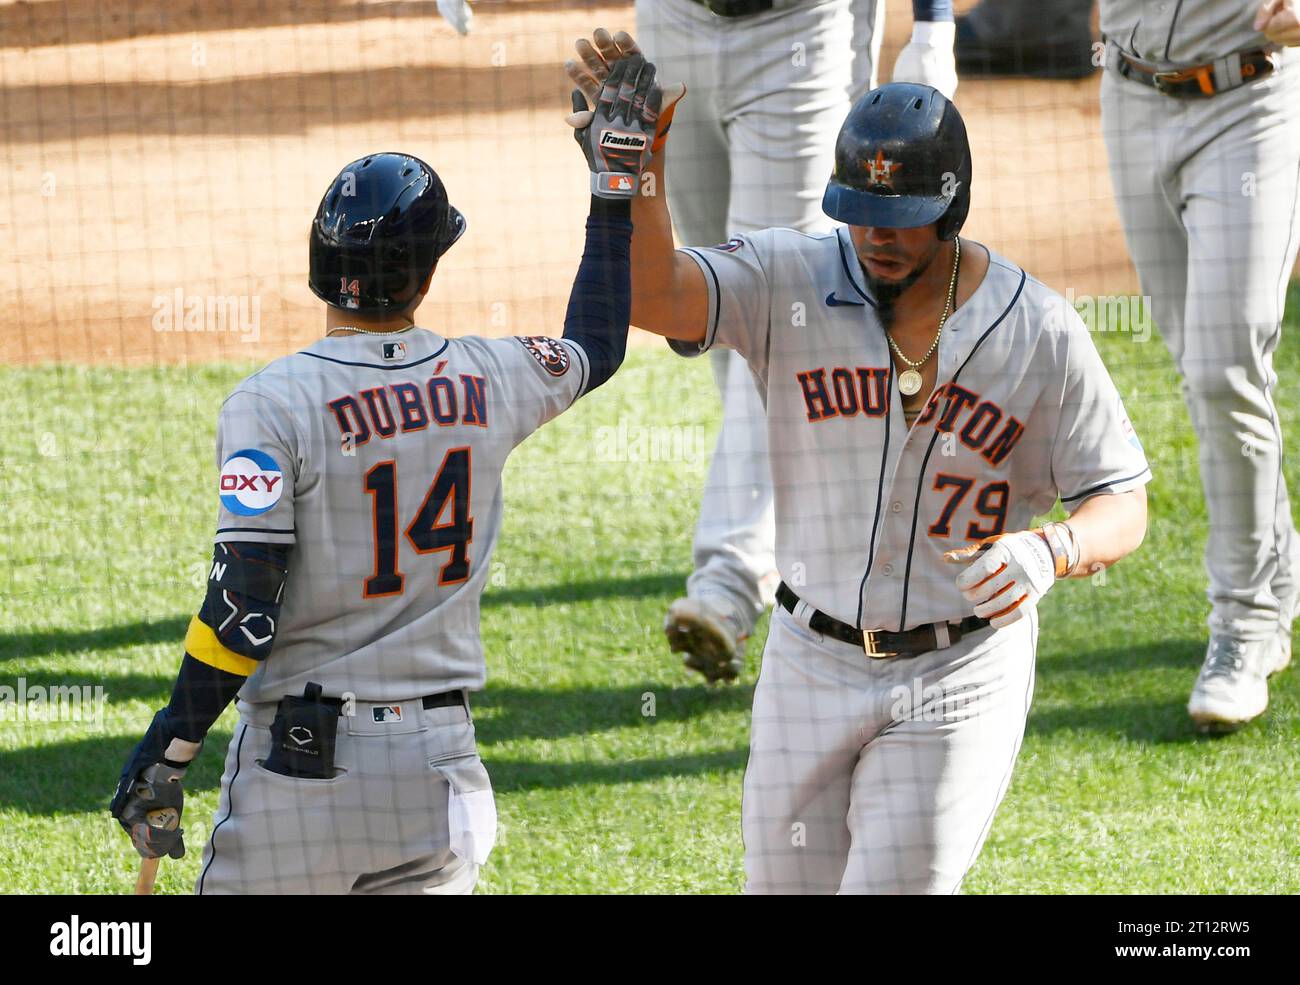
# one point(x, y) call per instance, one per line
point(1200, 81)
point(880, 643)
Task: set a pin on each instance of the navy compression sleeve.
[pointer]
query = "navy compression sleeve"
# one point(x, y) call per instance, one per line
point(600, 304)
point(199, 697)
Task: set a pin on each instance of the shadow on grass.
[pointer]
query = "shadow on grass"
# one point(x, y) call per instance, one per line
point(63, 776)
point(68, 776)
point(506, 714)
point(45, 642)
point(153, 688)
point(1161, 722)
point(171, 629)
point(1185, 653)
point(511, 776)
point(667, 583)
point(81, 775)
point(1135, 706)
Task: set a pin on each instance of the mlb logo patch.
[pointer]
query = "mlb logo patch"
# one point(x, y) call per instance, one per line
point(383, 714)
point(394, 351)
point(619, 184)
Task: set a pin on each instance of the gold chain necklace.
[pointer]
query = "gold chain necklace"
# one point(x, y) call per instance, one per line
point(909, 381)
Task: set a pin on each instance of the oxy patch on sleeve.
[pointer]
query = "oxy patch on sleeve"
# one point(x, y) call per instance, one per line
point(550, 353)
point(251, 482)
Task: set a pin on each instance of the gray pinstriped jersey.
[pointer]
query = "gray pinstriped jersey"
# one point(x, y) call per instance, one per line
point(1023, 411)
point(1168, 33)
point(379, 459)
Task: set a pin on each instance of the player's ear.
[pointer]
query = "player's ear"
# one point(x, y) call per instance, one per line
point(424, 289)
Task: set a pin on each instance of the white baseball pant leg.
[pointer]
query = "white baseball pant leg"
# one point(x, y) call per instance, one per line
point(868, 35)
point(1208, 191)
point(385, 825)
point(880, 776)
point(751, 147)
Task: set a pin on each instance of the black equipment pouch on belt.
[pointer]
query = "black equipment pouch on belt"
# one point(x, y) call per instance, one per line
point(303, 735)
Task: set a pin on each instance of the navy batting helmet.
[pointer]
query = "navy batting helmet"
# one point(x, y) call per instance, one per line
point(901, 160)
point(379, 230)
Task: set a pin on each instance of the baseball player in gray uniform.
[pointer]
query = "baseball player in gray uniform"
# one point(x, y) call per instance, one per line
point(770, 83)
point(360, 499)
point(1201, 111)
point(925, 400)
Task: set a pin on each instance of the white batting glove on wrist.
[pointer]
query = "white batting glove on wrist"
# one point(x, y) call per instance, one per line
point(1007, 577)
point(928, 57)
point(457, 13)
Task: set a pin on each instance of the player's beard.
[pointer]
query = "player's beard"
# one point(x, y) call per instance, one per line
point(887, 292)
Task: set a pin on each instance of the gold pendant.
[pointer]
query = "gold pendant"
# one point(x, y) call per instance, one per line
point(909, 382)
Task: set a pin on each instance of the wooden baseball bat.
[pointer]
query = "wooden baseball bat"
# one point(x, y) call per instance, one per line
point(148, 876)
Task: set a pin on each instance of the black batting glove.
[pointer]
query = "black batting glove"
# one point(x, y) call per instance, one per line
point(617, 141)
point(149, 799)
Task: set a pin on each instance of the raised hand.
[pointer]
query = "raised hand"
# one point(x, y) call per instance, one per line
point(590, 70)
point(616, 135)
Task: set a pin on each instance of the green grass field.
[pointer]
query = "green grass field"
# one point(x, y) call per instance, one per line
point(105, 538)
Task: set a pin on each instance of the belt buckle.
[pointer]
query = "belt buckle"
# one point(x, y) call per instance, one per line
point(870, 648)
point(1202, 75)
point(1162, 80)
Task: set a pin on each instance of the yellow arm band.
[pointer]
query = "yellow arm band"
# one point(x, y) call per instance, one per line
point(202, 644)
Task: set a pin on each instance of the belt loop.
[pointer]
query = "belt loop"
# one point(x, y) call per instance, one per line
point(942, 638)
point(1227, 72)
point(1111, 59)
point(804, 613)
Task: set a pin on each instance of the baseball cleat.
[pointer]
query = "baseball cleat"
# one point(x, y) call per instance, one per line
point(709, 636)
point(1232, 687)
point(1281, 657)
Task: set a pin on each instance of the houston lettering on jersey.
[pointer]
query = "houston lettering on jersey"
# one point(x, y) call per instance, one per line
point(383, 411)
point(981, 425)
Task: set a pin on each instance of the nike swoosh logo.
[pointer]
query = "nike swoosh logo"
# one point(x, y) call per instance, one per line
point(835, 302)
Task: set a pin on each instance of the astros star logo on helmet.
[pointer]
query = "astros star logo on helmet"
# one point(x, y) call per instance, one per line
point(881, 170)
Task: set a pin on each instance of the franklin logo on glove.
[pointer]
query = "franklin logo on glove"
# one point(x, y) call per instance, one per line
point(633, 141)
